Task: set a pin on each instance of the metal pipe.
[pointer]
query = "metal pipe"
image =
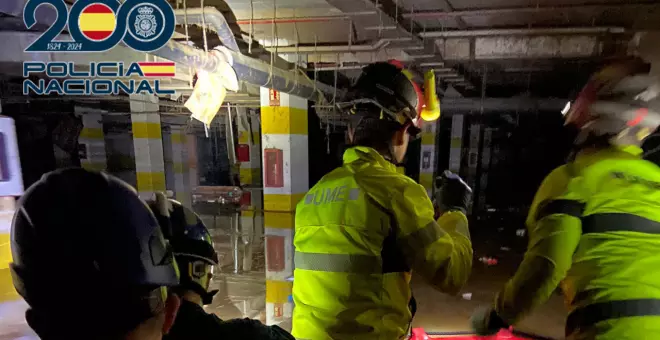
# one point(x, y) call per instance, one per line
point(339, 68)
point(521, 10)
point(291, 20)
point(495, 105)
point(210, 15)
point(434, 63)
point(522, 31)
point(421, 56)
point(249, 70)
point(330, 49)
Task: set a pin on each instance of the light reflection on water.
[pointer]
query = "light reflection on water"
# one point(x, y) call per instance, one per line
point(240, 278)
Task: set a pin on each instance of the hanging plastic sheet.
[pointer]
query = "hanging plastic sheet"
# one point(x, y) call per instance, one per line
point(207, 97)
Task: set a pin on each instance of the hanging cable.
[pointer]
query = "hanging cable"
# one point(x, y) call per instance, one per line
point(334, 95)
point(251, 26)
point(295, 33)
point(350, 34)
point(206, 44)
point(274, 42)
point(316, 69)
point(380, 19)
point(412, 22)
point(185, 20)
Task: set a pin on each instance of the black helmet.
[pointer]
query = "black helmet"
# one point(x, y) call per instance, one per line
point(388, 86)
point(191, 244)
point(80, 237)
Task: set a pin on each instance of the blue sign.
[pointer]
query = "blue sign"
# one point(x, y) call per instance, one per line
point(99, 25)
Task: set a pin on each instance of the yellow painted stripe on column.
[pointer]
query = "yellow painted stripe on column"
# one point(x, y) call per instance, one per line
point(456, 142)
point(279, 220)
point(179, 168)
point(278, 291)
point(245, 175)
point(282, 202)
point(5, 251)
point(7, 290)
point(243, 137)
point(256, 176)
point(247, 213)
point(150, 181)
point(146, 130)
point(178, 138)
point(256, 139)
point(92, 133)
point(428, 138)
point(93, 166)
point(426, 180)
point(283, 120)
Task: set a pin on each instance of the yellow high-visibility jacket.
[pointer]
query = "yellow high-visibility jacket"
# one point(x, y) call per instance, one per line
point(594, 227)
point(359, 232)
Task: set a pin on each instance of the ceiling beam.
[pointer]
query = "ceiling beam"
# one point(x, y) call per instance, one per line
point(523, 31)
point(525, 10)
point(291, 20)
point(448, 8)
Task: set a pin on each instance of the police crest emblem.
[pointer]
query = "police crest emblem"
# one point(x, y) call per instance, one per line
point(145, 22)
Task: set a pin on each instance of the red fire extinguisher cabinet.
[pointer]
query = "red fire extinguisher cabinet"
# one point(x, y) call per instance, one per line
point(275, 256)
point(273, 159)
point(243, 152)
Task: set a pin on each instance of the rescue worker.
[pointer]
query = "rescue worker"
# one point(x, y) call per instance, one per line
point(193, 250)
point(362, 229)
point(594, 225)
point(90, 260)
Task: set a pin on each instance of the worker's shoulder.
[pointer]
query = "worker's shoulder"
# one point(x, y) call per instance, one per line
point(560, 175)
point(386, 177)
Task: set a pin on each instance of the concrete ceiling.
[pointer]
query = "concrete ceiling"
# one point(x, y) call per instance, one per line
point(513, 41)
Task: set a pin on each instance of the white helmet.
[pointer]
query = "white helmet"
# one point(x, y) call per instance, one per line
point(621, 102)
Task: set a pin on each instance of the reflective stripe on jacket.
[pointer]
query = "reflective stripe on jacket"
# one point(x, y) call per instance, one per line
point(591, 227)
point(359, 233)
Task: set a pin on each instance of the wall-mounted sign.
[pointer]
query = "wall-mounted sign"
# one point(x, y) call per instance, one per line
point(274, 97)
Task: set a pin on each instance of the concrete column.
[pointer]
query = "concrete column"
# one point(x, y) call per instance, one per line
point(182, 189)
point(485, 167)
point(456, 144)
point(148, 144)
point(428, 162)
point(12, 307)
point(249, 154)
point(191, 159)
point(473, 160)
point(167, 157)
point(249, 147)
point(92, 139)
point(286, 180)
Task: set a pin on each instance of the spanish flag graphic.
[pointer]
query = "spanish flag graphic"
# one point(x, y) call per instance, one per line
point(158, 69)
point(97, 22)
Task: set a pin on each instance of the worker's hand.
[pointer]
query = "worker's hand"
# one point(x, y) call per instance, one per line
point(485, 321)
point(453, 193)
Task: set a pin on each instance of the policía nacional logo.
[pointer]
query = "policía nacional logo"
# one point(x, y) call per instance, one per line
point(99, 25)
point(145, 22)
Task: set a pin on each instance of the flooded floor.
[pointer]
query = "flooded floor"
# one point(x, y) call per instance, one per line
point(240, 279)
